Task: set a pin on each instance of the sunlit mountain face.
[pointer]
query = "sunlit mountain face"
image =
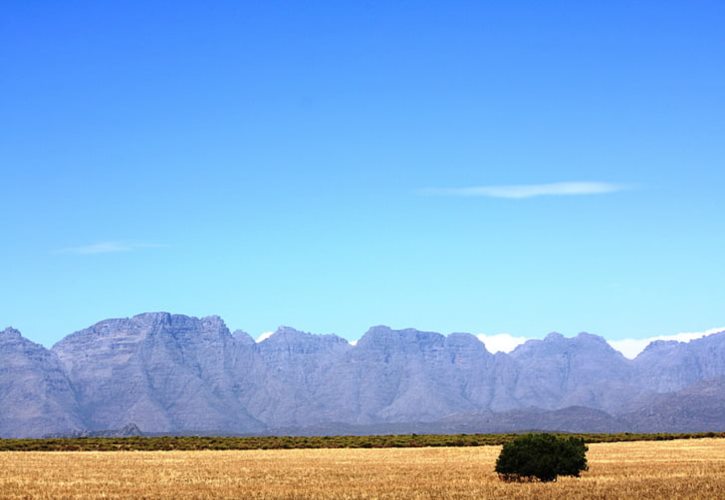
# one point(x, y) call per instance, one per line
point(175, 374)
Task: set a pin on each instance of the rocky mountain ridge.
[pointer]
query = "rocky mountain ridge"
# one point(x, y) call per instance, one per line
point(177, 374)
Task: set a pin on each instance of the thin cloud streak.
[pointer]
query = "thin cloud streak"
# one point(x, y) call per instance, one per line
point(107, 247)
point(501, 342)
point(631, 348)
point(522, 191)
point(264, 336)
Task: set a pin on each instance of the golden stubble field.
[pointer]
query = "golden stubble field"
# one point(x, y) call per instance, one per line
point(662, 469)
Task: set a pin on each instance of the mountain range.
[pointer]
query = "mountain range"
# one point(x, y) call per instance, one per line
point(161, 373)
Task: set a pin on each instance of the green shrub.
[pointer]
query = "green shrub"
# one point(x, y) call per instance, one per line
point(542, 457)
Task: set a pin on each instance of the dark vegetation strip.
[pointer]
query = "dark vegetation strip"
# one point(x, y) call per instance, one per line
point(289, 442)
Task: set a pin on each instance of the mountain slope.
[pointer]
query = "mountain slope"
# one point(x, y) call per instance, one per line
point(163, 372)
point(697, 408)
point(666, 366)
point(558, 372)
point(177, 374)
point(285, 377)
point(36, 397)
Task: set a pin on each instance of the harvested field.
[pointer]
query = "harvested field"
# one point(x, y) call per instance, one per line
point(659, 469)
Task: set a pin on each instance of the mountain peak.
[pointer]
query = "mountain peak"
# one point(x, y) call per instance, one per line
point(243, 337)
point(153, 317)
point(590, 337)
point(10, 331)
point(171, 373)
point(289, 335)
point(379, 330)
point(285, 334)
point(459, 340)
point(556, 342)
point(288, 330)
point(658, 345)
point(213, 320)
point(10, 334)
point(386, 337)
point(554, 337)
point(403, 332)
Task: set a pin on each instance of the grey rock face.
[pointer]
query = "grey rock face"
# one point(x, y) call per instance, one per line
point(697, 408)
point(666, 366)
point(177, 374)
point(409, 375)
point(166, 373)
point(558, 372)
point(286, 377)
point(36, 397)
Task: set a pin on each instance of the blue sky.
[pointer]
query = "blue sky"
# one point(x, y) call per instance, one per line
point(516, 167)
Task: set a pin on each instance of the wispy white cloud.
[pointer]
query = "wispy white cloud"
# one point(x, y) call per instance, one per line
point(264, 336)
point(521, 191)
point(631, 348)
point(501, 342)
point(107, 247)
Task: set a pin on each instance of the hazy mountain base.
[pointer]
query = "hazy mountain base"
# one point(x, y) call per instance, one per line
point(173, 374)
point(697, 409)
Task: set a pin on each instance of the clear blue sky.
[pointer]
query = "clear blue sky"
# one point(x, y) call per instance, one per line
point(334, 165)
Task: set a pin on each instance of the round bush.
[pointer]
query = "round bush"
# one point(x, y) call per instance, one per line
point(542, 457)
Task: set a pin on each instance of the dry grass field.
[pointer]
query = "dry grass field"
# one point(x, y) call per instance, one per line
point(663, 469)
